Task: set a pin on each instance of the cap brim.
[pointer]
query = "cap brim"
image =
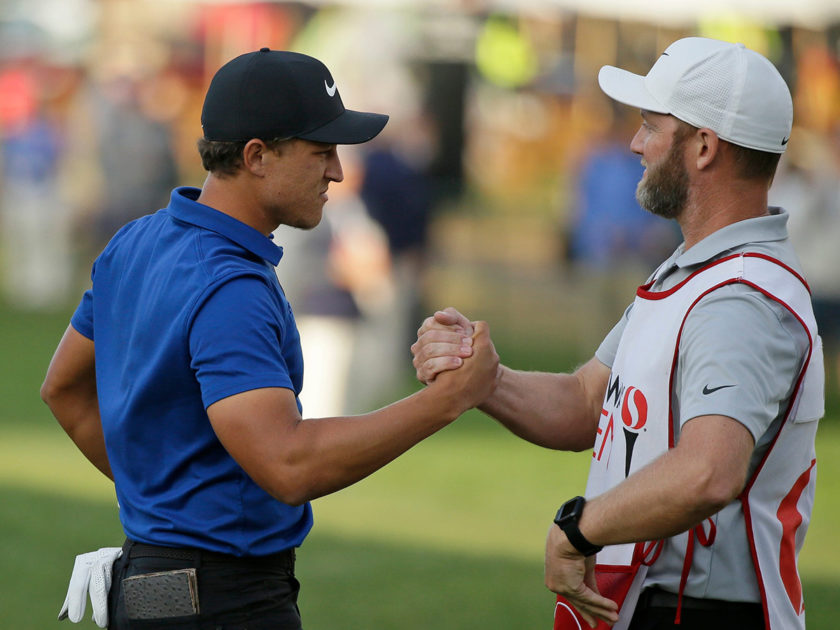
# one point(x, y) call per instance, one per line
point(628, 88)
point(351, 127)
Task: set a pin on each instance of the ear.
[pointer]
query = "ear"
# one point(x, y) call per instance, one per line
point(253, 157)
point(708, 146)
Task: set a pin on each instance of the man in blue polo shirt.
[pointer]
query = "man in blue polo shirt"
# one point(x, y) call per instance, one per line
point(179, 374)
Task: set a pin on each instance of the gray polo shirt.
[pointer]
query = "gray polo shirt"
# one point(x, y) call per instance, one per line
point(733, 336)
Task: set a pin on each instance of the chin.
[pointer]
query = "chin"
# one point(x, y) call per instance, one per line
point(310, 222)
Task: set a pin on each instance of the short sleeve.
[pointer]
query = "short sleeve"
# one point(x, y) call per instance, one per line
point(609, 346)
point(739, 356)
point(237, 340)
point(82, 320)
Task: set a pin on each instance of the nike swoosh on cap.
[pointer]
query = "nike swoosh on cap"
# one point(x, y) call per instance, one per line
point(330, 89)
point(710, 390)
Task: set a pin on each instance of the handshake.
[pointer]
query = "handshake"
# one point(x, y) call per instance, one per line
point(453, 349)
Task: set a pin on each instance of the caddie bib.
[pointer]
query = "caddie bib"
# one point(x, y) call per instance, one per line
point(637, 426)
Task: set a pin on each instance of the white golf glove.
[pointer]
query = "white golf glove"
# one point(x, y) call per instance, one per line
point(91, 572)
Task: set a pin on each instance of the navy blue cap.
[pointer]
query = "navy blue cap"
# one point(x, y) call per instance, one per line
point(271, 94)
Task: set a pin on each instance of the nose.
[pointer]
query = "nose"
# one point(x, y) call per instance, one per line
point(334, 171)
point(637, 144)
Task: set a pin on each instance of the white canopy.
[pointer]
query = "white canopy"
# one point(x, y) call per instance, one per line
point(807, 13)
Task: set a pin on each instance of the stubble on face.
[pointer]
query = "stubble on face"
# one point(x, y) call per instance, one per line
point(306, 212)
point(664, 189)
point(300, 190)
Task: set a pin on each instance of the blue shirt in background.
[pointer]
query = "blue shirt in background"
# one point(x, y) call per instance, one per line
point(610, 228)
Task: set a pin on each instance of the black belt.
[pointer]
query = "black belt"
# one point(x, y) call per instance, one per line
point(283, 559)
point(657, 598)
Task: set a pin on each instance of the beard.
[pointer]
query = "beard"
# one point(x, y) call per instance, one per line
point(664, 190)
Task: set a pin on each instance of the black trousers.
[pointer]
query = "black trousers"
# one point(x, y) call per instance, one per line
point(233, 593)
point(657, 610)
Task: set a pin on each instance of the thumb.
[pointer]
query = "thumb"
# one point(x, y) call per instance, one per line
point(480, 329)
point(589, 575)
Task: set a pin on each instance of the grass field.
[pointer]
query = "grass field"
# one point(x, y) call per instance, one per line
point(448, 537)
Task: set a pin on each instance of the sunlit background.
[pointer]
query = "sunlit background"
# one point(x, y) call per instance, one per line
point(502, 185)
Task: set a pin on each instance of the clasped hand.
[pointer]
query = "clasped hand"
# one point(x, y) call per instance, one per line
point(444, 340)
point(448, 341)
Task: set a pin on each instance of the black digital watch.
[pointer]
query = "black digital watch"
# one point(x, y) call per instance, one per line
point(567, 519)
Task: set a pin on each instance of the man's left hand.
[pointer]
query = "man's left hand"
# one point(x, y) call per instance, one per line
point(570, 574)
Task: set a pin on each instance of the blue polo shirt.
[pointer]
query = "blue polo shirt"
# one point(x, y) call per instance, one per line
point(185, 310)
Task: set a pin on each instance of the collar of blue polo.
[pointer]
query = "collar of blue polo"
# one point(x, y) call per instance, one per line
point(184, 207)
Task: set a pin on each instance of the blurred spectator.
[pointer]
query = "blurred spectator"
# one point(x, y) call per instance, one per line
point(612, 243)
point(135, 156)
point(35, 220)
point(608, 227)
point(334, 275)
point(397, 192)
point(808, 187)
point(395, 189)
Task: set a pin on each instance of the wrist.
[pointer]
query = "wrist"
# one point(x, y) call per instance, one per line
point(568, 520)
point(443, 398)
point(487, 405)
point(560, 544)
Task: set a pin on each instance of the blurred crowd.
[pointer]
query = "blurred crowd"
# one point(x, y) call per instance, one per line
point(491, 114)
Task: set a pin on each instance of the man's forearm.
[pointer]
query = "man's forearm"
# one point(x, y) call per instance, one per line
point(81, 421)
point(297, 460)
point(558, 411)
point(69, 389)
point(89, 439)
point(656, 502)
point(351, 448)
point(675, 492)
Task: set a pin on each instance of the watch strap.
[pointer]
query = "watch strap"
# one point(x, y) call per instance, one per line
point(567, 519)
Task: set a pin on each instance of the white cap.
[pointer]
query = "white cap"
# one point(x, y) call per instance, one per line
point(725, 87)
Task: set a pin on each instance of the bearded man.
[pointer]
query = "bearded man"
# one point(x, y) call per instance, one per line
point(702, 404)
